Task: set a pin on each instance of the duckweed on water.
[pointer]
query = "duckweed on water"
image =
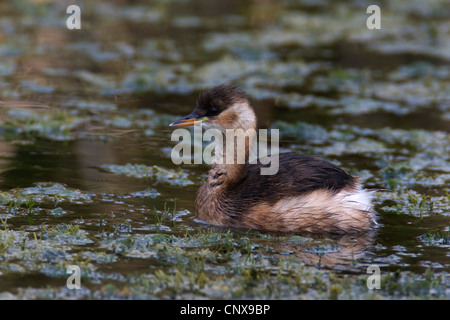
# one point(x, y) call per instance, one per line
point(26, 252)
point(44, 192)
point(438, 238)
point(413, 203)
point(206, 264)
point(178, 177)
point(152, 193)
point(71, 234)
point(76, 119)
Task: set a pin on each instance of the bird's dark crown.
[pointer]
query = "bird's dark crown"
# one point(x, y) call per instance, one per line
point(212, 102)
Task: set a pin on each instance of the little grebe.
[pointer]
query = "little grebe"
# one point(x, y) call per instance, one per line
point(306, 194)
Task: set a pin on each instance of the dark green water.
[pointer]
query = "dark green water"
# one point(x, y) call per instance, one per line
point(86, 176)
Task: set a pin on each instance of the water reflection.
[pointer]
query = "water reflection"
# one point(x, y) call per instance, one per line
point(345, 253)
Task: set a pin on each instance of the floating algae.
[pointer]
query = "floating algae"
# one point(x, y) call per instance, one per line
point(28, 200)
point(53, 192)
point(178, 177)
point(53, 124)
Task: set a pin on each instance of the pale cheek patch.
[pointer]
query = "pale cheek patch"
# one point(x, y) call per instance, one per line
point(246, 119)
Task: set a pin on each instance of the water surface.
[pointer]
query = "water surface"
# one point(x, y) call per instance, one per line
point(85, 171)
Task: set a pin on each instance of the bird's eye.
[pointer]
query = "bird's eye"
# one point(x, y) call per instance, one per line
point(213, 111)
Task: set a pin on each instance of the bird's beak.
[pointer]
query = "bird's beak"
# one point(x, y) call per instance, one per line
point(188, 120)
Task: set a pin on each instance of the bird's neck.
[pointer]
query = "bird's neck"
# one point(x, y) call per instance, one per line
point(231, 156)
point(227, 169)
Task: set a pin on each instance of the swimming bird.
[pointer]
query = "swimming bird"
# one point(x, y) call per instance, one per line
point(306, 194)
